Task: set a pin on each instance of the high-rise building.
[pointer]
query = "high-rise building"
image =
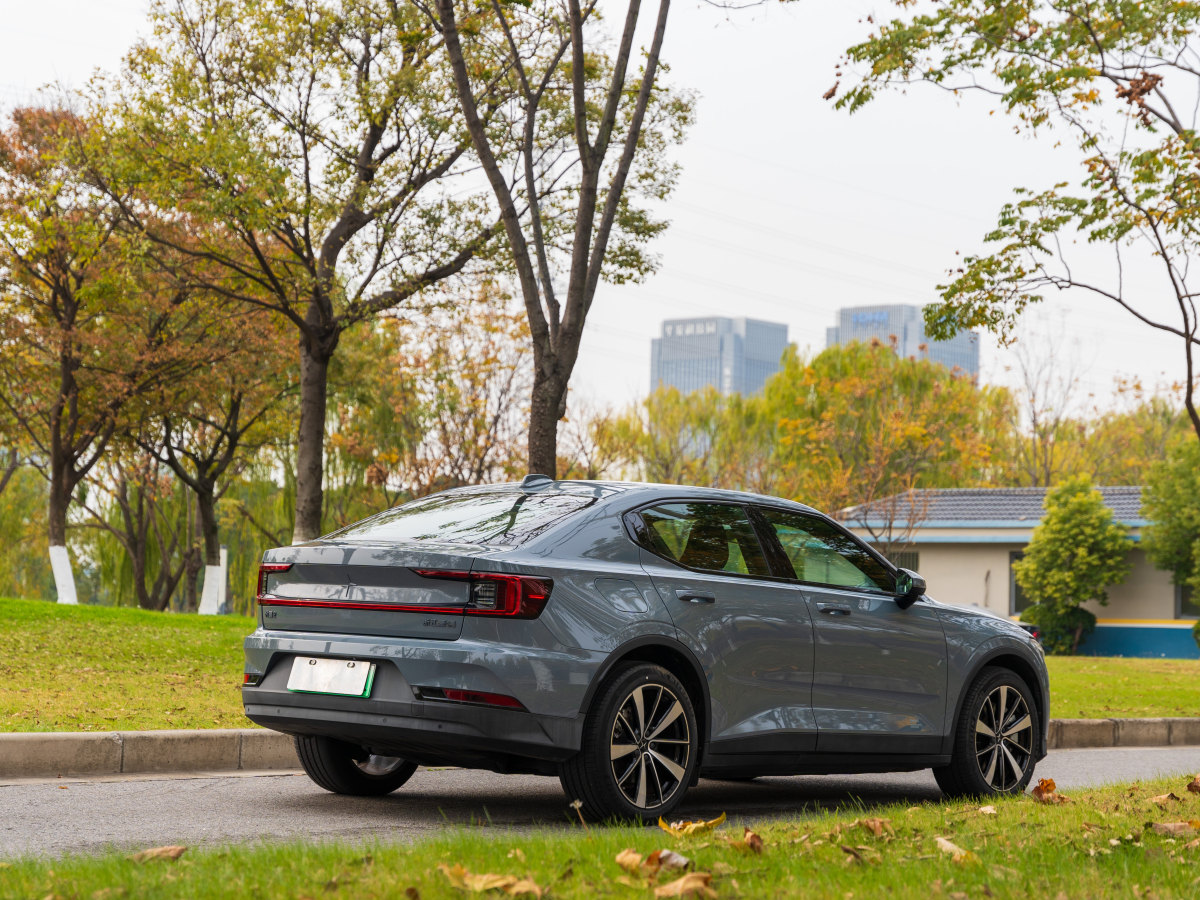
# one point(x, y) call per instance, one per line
point(736, 356)
point(905, 323)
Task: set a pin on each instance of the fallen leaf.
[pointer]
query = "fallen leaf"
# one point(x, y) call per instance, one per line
point(1175, 828)
point(1045, 792)
point(1164, 799)
point(488, 881)
point(693, 884)
point(1192, 845)
point(987, 810)
point(170, 852)
point(666, 860)
point(722, 868)
point(877, 827)
point(852, 855)
point(753, 841)
point(517, 853)
point(412, 893)
point(957, 853)
point(629, 860)
point(1090, 827)
point(524, 886)
point(1194, 785)
point(685, 829)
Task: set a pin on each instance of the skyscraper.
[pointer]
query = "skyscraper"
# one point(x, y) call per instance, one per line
point(736, 356)
point(906, 324)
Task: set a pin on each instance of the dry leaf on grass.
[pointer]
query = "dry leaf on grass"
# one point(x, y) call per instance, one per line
point(852, 855)
point(1164, 799)
point(517, 853)
point(987, 810)
point(750, 843)
point(693, 884)
point(1194, 785)
point(1175, 828)
point(459, 877)
point(957, 853)
point(685, 829)
point(629, 860)
point(877, 827)
point(660, 860)
point(170, 852)
point(1046, 792)
point(1192, 845)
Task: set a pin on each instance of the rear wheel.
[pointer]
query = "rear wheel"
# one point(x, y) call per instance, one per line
point(348, 769)
point(994, 738)
point(640, 747)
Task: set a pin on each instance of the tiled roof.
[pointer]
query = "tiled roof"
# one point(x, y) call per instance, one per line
point(1016, 505)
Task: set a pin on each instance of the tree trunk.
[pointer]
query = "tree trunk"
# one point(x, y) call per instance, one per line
point(210, 598)
point(60, 560)
point(310, 442)
point(545, 409)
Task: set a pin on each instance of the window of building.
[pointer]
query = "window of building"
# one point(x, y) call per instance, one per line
point(906, 559)
point(1187, 604)
point(1018, 602)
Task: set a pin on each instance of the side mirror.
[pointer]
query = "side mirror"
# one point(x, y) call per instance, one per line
point(909, 588)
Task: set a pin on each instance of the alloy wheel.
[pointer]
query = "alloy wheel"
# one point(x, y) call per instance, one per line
point(650, 746)
point(379, 765)
point(1004, 738)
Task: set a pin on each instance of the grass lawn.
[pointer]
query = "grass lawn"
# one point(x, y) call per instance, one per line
point(1092, 687)
point(88, 668)
point(1100, 844)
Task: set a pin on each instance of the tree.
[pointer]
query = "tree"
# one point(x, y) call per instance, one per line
point(86, 325)
point(1171, 501)
point(1076, 552)
point(1118, 78)
point(858, 428)
point(589, 132)
point(315, 153)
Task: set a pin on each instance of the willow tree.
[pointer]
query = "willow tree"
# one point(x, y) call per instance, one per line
point(591, 133)
point(315, 153)
point(1120, 79)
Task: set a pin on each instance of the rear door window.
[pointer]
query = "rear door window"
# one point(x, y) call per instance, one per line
point(822, 554)
point(715, 537)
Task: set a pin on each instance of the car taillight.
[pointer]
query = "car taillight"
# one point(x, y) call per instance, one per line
point(496, 594)
point(476, 698)
point(266, 569)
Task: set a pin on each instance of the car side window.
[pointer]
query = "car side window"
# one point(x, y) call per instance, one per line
point(716, 537)
point(822, 554)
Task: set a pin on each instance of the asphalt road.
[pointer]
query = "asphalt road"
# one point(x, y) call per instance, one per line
point(56, 818)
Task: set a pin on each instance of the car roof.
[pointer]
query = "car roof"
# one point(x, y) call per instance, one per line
point(637, 491)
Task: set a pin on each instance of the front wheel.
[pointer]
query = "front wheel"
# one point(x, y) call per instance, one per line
point(347, 769)
point(640, 747)
point(994, 738)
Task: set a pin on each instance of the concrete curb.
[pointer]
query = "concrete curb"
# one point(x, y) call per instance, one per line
point(50, 754)
point(47, 754)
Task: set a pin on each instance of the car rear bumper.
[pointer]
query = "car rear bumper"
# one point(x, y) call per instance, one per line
point(397, 721)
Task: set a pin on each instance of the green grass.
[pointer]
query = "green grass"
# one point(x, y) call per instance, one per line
point(1091, 687)
point(1097, 845)
point(88, 668)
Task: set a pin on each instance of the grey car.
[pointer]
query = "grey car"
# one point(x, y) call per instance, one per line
point(630, 639)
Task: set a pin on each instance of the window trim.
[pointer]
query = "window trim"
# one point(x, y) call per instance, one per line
point(634, 526)
point(792, 579)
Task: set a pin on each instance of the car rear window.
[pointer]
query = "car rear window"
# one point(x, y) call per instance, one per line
point(472, 517)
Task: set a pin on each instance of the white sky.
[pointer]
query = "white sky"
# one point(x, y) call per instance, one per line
point(786, 209)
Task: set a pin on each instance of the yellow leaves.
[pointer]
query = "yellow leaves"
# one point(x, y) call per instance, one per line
point(987, 810)
point(693, 884)
point(170, 852)
point(460, 878)
point(956, 853)
point(1046, 792)
point(687, 829)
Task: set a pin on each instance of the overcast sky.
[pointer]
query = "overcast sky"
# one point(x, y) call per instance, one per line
point(786, 209)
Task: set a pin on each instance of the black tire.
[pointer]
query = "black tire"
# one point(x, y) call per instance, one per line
point(347, 769)
point(649, 779)
point(994, 739)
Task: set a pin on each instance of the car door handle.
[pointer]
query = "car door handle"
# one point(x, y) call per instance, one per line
point(831, 610)
point(688, 596)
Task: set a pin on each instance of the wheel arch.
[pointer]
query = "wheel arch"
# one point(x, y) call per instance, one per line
point(1005, 657)
point(672, 656)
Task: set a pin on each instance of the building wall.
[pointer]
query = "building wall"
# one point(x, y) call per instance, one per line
point(736, 356)
point(968, 574)
point(905, 323)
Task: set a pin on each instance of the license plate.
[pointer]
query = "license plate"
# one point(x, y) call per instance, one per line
point(344, 677)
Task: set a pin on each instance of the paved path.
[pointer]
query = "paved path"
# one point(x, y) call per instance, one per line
point(72, 817)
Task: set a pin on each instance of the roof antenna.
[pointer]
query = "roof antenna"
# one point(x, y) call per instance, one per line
point(534, 482)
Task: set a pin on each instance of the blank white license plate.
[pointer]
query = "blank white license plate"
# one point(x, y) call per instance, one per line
point(345, 677)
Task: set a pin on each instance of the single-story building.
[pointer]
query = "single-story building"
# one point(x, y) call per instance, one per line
point(965, 541)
